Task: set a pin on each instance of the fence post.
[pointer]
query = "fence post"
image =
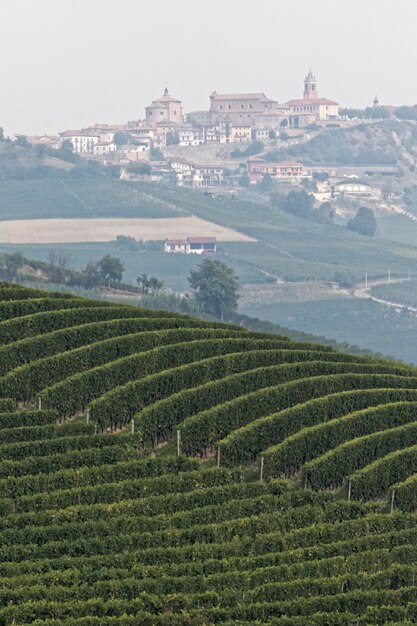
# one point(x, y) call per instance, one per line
point(349, 490)
point(133, 425)
point(178, 443)
point(87, 415)
point(39, 403)
point(392, 501)
point(261, 471)
point(218, 456)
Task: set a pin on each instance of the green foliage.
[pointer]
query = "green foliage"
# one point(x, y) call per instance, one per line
point(215, 287)
point(364, 222)
point(254, 148)
point(111, 269)
point(98, 528)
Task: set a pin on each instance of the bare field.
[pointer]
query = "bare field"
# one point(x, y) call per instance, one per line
point(107, 229)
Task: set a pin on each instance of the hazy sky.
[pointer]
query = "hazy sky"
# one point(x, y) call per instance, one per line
point(71, 63)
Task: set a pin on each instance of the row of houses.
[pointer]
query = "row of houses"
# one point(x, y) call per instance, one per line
point(231, 118)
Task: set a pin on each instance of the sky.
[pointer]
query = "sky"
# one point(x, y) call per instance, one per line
point(71, 63)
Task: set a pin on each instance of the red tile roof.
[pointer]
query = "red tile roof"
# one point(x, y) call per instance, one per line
point(240, 96)
point(307, 101)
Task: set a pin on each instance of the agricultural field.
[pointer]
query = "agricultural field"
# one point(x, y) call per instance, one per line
point(173, 269)
point(404, 293)
point(49, 198)
point(294, 249)
point(359, 322)
point(107, 229)
point(159, 469)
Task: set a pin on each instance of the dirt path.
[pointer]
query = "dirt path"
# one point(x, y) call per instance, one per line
point(363, 291)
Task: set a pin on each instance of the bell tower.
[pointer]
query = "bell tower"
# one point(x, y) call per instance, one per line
point(310, 87)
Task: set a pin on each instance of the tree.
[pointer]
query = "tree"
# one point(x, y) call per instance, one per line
point(172, 139)
point(22, 141)
point(121, 139)
point(215, 288)
point(149, 285)
point(11, 264)
point(139, 168)
point(376, 113)
point(90, 276)
point(244, 180)
point(59, 263)
point(364, 222)
point(298, 203)
point(111, 269)
point(266, 183)
point(156, 154)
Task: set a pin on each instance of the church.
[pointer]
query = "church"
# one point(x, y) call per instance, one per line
point(310, 108)
point(164, 109)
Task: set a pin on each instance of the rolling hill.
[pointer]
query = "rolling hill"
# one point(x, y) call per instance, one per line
point(158, 469)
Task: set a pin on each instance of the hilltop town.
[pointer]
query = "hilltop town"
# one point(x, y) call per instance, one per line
point(248, 140)
point(156, 146)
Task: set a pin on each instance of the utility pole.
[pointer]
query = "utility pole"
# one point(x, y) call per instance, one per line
point(389, 276)
point(366, 279)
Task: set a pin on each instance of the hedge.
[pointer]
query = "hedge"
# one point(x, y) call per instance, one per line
point(374, 480)
point(243, 444)
point(190, 524)
point(25, 381)
point(44, 432)
point(45, 322)
point(17, 292)
point(94, 475)
point(205, 428)
point(330, 469)
point(405, 497)
point(124, 490)
point(17, 308)
point(118, 380)
point(29, 417)
point(122, 404)
point(120, 450)
point(23, 351)
point(7, 405)
point(166, 505)
point(20, 451)
point(314, 441)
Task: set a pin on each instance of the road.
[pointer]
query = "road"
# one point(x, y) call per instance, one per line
point(363, 291)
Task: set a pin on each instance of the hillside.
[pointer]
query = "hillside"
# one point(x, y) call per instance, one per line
point(383, 143)
point(291, 503)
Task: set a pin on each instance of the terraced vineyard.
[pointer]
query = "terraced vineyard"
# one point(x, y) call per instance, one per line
point(158, 469)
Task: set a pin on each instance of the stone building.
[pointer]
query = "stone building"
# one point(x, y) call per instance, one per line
point(310, 108)
point(164, 109)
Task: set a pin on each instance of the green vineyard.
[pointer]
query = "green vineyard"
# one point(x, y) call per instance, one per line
point(161, 470)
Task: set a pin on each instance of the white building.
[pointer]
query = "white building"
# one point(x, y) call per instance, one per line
point(191, 245)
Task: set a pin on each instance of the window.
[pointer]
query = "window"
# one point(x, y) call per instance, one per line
point(230, 106)
point(221, 107)
point(242, 107)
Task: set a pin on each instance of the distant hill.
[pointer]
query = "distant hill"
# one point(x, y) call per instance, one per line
point(363, 144)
